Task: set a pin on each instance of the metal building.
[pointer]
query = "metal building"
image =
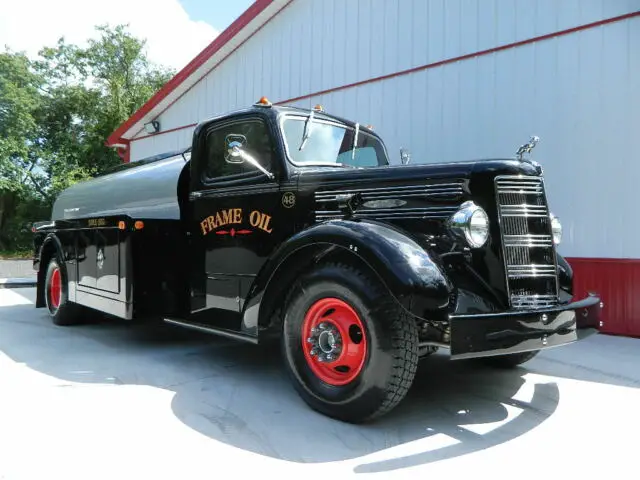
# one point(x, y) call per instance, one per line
point(451, 80)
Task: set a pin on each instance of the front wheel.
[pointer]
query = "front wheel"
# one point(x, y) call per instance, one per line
point(350, 349)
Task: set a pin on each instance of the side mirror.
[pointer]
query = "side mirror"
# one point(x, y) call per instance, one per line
point(234, 145)
point(236, 153)
point(405, 156)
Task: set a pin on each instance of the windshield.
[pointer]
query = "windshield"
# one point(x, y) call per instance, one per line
point(331, 143)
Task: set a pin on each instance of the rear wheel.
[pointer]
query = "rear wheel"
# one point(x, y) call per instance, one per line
point(60, 309)
point(351, 351)
point(511, 360)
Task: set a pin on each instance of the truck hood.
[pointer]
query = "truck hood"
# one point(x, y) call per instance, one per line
point(407, 195)
point(331, 177)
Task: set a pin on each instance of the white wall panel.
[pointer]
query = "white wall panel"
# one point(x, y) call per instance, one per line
point(577, 92)
point(156, 144)
point(317, 45)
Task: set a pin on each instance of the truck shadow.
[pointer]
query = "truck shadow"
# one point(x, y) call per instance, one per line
point(239, 394)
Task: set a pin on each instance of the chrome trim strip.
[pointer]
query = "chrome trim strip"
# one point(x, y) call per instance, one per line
point(453, 194)
point(386, 213)
point(376, 211)
point(527, 240)
point(392, 189)
point(231, 191)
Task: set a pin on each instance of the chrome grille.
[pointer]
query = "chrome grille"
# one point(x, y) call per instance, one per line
point(527, 242)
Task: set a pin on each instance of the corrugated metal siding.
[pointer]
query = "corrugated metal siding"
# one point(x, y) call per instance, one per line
point(156, 144)
point(577, 92)
point(613, 280)
point(313, 46)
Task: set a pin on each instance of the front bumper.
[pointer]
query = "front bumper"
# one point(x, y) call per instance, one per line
point(518, 331)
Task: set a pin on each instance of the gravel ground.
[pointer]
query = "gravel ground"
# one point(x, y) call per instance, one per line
point(109, 400)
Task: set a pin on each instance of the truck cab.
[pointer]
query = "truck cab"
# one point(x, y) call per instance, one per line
point(294, 226)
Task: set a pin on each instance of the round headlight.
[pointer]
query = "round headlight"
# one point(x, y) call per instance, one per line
point(471, 223)
point(556, 229)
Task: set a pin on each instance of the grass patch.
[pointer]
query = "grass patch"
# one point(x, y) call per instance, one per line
point(16, 254)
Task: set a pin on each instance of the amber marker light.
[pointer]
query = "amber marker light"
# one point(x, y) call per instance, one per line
point(264, 101)
point(318, 108)
point(121, 225)
point(139, 225)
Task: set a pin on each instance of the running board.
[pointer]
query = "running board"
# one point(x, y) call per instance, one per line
point(216, 331)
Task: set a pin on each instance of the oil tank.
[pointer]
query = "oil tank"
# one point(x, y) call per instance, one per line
point(148, 190)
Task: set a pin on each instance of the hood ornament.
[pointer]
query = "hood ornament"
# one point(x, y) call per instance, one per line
point(527, 147)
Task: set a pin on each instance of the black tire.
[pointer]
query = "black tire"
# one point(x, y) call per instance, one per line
point(391, 360)
point(64, 313)
point(510, 361)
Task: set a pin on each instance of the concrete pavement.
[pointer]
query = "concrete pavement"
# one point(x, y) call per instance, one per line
point(16, 268)
point(111, 400)
point(17, 274)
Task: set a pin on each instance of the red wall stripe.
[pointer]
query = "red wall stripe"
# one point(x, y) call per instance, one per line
point(617, 281)
point(469, 56)
point(163, 132)
point(402, 72)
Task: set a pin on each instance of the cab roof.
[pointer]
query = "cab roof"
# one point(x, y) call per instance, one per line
point(276, 110)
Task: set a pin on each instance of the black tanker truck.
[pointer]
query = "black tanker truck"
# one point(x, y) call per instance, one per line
point(292, 225)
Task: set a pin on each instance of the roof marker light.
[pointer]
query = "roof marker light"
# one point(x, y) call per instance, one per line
point(264, 101)
point(318, 108)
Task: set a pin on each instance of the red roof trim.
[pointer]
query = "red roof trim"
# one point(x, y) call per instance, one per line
point(221, 40)
point(214, 67)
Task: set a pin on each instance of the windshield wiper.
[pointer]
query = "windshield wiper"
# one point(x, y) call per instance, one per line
point(355, 142)
point(307, 130)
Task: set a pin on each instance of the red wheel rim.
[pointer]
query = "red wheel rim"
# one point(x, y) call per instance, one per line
point(55, 288)
point(334, 341)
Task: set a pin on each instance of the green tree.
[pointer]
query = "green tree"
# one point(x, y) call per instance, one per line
point(56, 112)
point(20, 98)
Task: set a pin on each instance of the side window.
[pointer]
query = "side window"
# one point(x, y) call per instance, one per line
point(253, 137)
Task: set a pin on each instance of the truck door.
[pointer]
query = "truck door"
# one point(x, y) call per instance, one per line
point(233, 229)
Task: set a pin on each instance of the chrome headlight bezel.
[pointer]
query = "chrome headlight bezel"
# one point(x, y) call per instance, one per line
point(461, 224)
point(556, 229)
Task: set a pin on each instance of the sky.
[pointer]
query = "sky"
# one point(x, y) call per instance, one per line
point(176, 30)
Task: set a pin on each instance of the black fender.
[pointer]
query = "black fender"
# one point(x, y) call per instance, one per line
point(565, 274)
point(49, 247)
point(410, 274)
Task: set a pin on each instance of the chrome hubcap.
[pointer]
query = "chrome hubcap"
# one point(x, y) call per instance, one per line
point(326, 342)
